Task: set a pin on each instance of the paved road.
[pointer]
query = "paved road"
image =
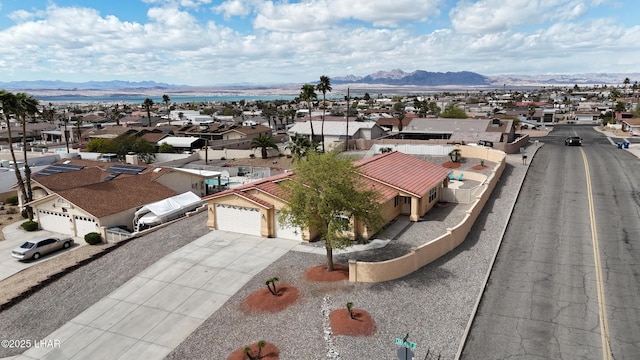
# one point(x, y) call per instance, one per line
point(542, 298)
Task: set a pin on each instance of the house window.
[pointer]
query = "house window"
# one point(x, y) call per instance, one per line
point(395, 201)
point(407, 200)
point(432, 194)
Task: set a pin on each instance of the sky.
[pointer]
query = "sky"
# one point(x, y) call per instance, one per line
point(208, 43)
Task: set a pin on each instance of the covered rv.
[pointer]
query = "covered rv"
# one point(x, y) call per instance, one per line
point(165, 210)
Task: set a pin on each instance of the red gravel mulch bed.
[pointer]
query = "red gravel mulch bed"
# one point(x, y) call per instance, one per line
point(268, 352)
point(451, 165)
point(479, 167)
point(320, 273)
point(263, 301)
point(361, 325)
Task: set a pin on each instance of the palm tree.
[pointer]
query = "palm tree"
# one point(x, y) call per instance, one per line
point(22, 105)
point(166, 100)
point(323, 86)
point(115, 114)
point(299, 146)
point(399, 108)
point(8, 103)
point(28, 107)
point(264, 142)
point(79, 128)
point(308, 94)
point(148, 103)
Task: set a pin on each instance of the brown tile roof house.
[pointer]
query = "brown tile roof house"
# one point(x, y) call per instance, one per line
point(111, 197)
point(407, 185)
point(154, 137)
point(225, 131)
point(74, 197)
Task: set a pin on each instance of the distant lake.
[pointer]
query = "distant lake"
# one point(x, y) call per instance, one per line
point(158, 99)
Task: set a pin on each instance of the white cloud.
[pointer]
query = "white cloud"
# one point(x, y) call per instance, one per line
point(232, 8)
point(297, 42)
point(321, 14)
point(498, 15)
point(178, 3)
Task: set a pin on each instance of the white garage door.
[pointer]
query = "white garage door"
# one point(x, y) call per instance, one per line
point(85, 225)
point(286, 232)
point(55, 221)
point(238, 219)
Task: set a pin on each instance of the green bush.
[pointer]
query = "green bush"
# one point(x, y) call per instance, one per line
point(93, 238)
point(30, 225)
point(11, 200)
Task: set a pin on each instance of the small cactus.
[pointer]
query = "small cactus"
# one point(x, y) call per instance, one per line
point(247, 351)
point(271, 285)
point(350, 309)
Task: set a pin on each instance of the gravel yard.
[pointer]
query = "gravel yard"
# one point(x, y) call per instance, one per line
point(52, 306)
point(433, 304)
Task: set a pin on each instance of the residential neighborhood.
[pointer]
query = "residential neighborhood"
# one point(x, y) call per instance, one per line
point(125, 173)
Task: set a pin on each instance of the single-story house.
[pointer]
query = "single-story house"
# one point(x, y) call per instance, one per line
point(183, 143)
point(75, 197)
point(200, 182)
point(632, 126)
point(335, 132)
point(217, 131)
point(460, 130)
point(587, 116)
point(408, 186)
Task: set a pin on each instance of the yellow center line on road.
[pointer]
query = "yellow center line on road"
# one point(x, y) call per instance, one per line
point(602, 308)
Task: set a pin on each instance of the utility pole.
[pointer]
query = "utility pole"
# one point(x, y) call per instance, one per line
point(346, 142)
point(66, 132)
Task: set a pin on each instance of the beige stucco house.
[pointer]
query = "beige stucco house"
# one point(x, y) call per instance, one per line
point(408, 186)
point(75, 197)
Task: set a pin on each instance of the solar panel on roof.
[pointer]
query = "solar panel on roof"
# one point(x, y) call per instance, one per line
point(111, 177)
point(69, 166)
point(58, 169)
point(126, 169)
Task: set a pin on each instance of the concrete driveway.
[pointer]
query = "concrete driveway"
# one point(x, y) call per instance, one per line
point(14, 236)
point(153, 312)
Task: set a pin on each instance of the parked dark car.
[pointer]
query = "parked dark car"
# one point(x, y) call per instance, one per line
point(34, 249)
point(573, 141)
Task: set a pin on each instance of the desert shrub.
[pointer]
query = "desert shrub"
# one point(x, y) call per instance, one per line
point(11, 200)
point(30, 225)
point(93, 238)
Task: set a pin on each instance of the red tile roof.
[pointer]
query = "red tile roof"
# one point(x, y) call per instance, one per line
point(387, 173)
point(403, 172)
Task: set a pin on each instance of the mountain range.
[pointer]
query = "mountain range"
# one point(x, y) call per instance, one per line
point(396, 77)
point(418, 77)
